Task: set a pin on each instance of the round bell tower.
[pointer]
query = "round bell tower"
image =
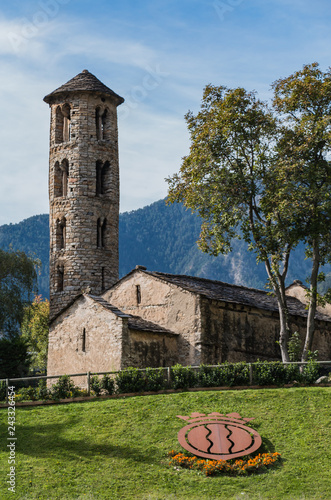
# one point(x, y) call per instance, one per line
point(83, 189)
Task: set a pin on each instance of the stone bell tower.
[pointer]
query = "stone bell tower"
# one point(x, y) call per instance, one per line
point(83, 189)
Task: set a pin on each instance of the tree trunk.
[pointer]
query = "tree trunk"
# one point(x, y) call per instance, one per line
point(278, 285)
point(312, 302)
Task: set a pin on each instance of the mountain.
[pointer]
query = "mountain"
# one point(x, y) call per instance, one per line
point(162, 238)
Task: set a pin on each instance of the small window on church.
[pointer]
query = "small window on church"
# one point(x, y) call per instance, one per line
point(84, 340)
point(60, 278)
point(138, 294)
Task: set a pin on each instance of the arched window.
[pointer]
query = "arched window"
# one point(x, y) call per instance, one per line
point(102, 178)
point(64, 181)
point(61, 233)
point(62, 123)
point(60, 278)
point(66, 123)
point(102, 123)
point(101, 232)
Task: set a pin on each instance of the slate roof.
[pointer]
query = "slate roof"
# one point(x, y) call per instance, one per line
point(233, 294)
point(134, 322)
point(84, 82)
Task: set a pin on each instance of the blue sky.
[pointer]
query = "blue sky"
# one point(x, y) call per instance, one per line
point(158, 55)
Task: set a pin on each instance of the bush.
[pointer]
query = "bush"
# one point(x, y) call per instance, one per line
point(95, 385)
point(64, 388)
point(42, 391)
point(3, 391)
point(154, 379)
point(183, 377)
point(310, 372)
point(108, 384)
point(130, 380)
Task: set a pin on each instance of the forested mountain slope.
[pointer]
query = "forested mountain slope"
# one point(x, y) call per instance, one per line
point(162, 238)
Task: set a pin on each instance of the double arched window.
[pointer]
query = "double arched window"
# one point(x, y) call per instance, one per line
point(61, 172)
point(102, 123)
point(102, 178)
point(61, 229)
point(63, 123)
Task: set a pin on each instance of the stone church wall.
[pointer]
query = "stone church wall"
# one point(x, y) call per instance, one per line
point(146, 349)
point(86, 337)
point(163, 304)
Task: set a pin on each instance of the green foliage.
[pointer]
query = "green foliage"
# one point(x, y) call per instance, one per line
point(224, 375)
point(130, 380)
point(63, 388)
point(14, 357)
point(35, 327)
point(108, 384)
point(95, 385)
point(17, 284)
point(183, 377)
point(154, 379)
point(294, 347)
point(274, 373)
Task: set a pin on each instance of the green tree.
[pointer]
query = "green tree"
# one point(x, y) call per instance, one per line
point(17, 286)
point(227, 179)
point(303, 172)
point(35, 331)
point(14, 357)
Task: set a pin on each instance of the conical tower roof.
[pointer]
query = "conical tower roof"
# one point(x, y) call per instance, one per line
point(84, 82)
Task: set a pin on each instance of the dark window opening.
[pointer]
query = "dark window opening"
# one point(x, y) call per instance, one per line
point(102, 177)
point(63, 124)
point(84, 340)
point(102, 123)
point(61, 234)
point(101, 233)
point(138, 294)
point(60, 278)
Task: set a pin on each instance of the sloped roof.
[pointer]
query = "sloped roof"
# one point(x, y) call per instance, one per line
point(134, 322)
point(234, 294)
point(84, 82)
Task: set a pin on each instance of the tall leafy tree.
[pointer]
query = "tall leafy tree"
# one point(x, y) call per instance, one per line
point(17, 288)
point(227, 179)
point(35, 331)
point(303, 170)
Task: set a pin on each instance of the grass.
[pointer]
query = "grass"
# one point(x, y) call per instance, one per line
point(117, 449)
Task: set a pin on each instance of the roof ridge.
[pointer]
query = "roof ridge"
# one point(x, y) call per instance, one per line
point(208, 280)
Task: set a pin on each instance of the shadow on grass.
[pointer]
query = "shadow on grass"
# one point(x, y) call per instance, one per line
point(44, 441)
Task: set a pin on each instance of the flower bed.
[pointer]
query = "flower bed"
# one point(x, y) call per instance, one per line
point(255, 464)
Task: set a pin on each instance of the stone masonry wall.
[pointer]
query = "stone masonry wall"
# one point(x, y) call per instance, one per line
point(85, 337)
point(85, 261)
point(165, 305)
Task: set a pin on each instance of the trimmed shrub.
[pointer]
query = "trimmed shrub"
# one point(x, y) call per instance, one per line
point(130, 380)
point(154, 379)
point(184, 377)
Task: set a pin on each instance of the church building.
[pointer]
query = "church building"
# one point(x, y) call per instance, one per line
point(147, 318)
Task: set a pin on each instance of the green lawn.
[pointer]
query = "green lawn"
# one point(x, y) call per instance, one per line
point(117, 448)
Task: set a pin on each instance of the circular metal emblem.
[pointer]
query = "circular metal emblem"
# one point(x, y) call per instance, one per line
point(218, 437)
